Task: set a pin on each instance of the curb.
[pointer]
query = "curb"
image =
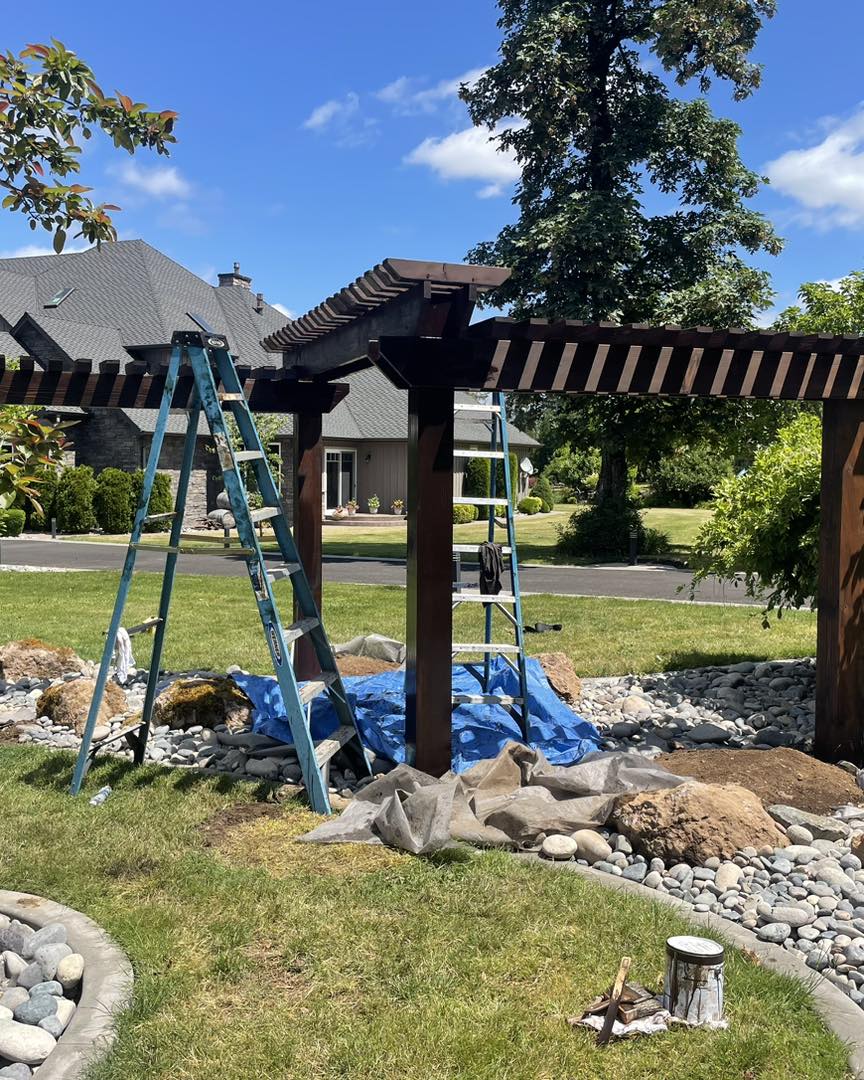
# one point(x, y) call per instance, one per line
point(105, 990)
point(838, 1012)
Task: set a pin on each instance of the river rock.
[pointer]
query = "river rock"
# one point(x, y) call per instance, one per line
point(16, 1071)
point(792, 916)
point(819, 826)
point(48, 957)
point(693, 822)
point(13, 963)
point(53, 934)
point(592, 847)
point(13, 997)
point(775, 933)
point(35, 1009)
point(70, 971)
point(24, 1043)
point(706, 733)
point(727, 876)
point(558, 847)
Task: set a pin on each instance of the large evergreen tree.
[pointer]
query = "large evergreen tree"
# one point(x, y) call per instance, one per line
point(632, 202)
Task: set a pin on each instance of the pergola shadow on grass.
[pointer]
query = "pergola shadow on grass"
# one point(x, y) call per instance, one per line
point(258, 956)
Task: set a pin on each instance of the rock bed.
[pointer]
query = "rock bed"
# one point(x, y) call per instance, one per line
point(40, 980)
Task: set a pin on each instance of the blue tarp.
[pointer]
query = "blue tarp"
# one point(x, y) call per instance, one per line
point(479, 731)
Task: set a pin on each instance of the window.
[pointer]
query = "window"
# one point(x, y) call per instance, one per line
point(340, 478)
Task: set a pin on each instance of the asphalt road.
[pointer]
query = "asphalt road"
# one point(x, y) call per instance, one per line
point(639, 583)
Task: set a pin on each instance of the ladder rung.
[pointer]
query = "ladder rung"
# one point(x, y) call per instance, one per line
point(264, 514)
point(486, 699)
point(484, 598)
point(115, 736)
point(317, 686)
point(471, 407)
point(480, 647)
point(208, 538)
point(249, 455)
point(226, 397)
point(298, 629)
point(496, 455)
point(473, 549)
point(160, 517)
point(186, 550)
point(278, 573)
point(467, 500)
point(325, 749)
point(140, 628)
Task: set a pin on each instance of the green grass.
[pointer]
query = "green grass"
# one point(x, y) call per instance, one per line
point(266, 958)
point(214, 623)
point(536, 536)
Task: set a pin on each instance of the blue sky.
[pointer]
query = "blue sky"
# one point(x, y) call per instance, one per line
point(315, 139)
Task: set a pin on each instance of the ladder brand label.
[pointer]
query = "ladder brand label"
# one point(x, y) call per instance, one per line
point(256, 573)
point(274, 642)
point(223, 451)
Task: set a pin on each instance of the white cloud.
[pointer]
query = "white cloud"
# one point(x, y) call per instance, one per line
point(161, 182)
point(336, 110)
point(827, 178)
point(27, 251)
point(407, 95)
point(285, 311)
point(471, 154)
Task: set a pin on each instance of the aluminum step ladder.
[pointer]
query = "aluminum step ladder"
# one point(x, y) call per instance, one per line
point(219, 391)
point(509, 604)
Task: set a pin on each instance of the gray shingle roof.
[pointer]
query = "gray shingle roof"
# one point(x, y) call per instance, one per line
point(9, 347)
point(136, 291)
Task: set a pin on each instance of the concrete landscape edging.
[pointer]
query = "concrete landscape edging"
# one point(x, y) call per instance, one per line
point(106, 988)
point(838, 1012)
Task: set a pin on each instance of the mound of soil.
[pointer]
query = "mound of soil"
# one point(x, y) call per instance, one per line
point(68, 703)
point(776, 776)
point(37, 659)
point(363, 665)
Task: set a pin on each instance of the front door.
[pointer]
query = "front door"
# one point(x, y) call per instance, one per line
point(340, 478)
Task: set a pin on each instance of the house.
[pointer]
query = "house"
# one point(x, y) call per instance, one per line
point(124, 302)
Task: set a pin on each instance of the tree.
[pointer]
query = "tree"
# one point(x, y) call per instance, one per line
point(632, 203)
point(827, 308)
point(50, 102)
point(27, 449)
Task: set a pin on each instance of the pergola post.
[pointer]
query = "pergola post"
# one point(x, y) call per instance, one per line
point(428, 670)
point(840, 639)
point(308, 519)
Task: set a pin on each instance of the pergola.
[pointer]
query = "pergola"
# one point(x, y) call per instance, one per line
point(413, 320)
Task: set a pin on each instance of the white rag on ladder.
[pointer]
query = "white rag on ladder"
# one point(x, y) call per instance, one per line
point(123, 659)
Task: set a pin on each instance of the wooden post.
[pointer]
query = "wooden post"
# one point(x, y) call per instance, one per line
point(428, 670)
point(840, 638)
point(308, 519)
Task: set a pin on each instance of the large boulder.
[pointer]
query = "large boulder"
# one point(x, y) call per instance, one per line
point(36, 659)
point(562, 678)
point(694, 822)
point(208, 702)
point(68, 703)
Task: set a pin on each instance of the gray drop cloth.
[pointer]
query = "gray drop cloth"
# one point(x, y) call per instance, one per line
point(512, 801)
point(375, 646)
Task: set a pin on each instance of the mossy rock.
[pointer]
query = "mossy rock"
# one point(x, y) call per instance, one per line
point(208, 702)
point(37, 659)
point(68, 703)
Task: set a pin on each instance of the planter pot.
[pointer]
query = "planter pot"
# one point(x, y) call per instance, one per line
point(351, 513)
point(371, 511)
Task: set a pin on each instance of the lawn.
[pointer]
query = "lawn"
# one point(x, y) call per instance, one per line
point(257, 957)
point(536, 536)
point(214, 623)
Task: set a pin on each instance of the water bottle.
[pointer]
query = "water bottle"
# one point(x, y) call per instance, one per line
point(101, 795)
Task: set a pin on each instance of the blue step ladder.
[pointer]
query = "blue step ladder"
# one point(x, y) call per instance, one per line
point(509, 604)
point(219, 391)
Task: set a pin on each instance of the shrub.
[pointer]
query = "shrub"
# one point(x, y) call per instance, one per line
point(575, 470)
point(529, 505)
point(687, 477)
point(462, 514)
point(12, 522)
point(655, 542)
point(766, 521)
point(475, 482)
point(112, 503)
point(542, 490)
point(602, 530)
point(47, 491)
point(161, 499)
point(73, 501)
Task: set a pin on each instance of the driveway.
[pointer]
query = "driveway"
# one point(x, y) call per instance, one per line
point(647, 582)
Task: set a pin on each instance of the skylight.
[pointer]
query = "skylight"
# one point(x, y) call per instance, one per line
point(58, 298)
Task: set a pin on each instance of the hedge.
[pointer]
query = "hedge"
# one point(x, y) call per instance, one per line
point(161, 499)
point(46, 494)
point(529, 505)
point(112, 501)
point(12, 522)
point(542, 490)
point(73, 502)
point(462, 514)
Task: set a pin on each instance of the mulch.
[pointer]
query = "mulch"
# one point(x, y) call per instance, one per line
point(775, 776)
point(363, 665)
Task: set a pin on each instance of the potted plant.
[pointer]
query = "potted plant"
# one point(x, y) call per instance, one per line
point(397, 507)
point(351, 507)
point(372, 504)
point(339, 511)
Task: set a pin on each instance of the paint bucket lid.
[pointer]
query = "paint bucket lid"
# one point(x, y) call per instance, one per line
point(695, 950)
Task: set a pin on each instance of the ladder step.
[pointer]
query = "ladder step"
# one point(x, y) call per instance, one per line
point(140, 628)
point(160, 517)
point(472, 407)
point(467, 500)
point(473, 549)
point(226, 398)
point(484, 598)
point(492, 455)
point(279, 573)
point(486, 699)
point(116, 736)
point(208, 538)
point(480, 647)
point(184, 549)
point(298, 629)
point(325, 749)
point(249, 455)
point(317, 686)
point(264, 514)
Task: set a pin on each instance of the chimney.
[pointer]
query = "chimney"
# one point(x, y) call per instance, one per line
point(235, 278)
point(259, 302)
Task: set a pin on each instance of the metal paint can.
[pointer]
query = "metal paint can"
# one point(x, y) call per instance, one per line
point(693, 989)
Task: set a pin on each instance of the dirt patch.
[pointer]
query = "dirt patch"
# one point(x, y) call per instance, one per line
point(364, 665)
point(776, 776)
point(226, 821)
point(562, 678)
